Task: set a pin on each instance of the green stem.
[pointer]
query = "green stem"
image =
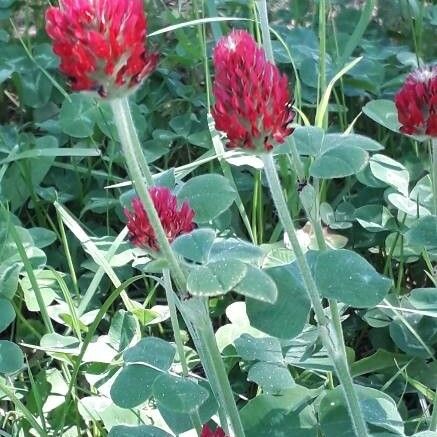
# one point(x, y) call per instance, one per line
point(226, 169)
point(120, 107)
point(202, 325)
point(68, 254)
point(196, 311)
point(434, 172)
point(267, 44)
point(265, 32)
point(322, 55)
point(128, 134)
point(169, 293)
point(287, 223)
point(336, 349)
point(336, 354)
point(184, 309)
point(174, 321)
point(333, 305)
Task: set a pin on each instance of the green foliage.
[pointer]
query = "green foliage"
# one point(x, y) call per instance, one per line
point(357, 283)
point(208, 195)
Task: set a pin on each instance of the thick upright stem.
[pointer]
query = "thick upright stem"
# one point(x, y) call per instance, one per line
point(128, 134)
point(119, 108)
point(287, 222)
point(336, 354)
point(202, 323)
point(196, 311)
point(434, 172)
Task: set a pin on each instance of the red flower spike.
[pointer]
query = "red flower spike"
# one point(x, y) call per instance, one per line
point(207, 432)
point(252, 99)
point(174, 220)
point(416, 102)
point(101, 44)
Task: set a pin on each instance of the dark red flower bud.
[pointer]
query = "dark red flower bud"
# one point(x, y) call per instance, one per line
point(101, 44)
point(416, 102)
point(175, 220)
point(252, 99)
point(207, 432)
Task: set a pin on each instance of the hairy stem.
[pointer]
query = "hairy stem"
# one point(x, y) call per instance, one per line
point(195, 309)
point(336, 353)
point(136, 171)
point(141, 179)
point(128, 134)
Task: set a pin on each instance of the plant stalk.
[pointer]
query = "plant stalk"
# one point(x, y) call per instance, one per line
point(267, 45)
point(265, 31)
point(202, 323)
point(196, 311)
point(322, 55)
point(127, 134)
point(169, 294)
point(125, 128)
point(336, 354)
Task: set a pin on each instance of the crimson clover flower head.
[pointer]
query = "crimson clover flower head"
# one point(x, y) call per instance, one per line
point(101, 44)
point(252, 98)
point(416, 102)
point(175, 219)
point(207, 432)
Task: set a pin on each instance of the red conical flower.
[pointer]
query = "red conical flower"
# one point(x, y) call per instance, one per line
point(174, 220)
point(207, 432)
point(416, 102)
point(252, 99)
point(101, 44)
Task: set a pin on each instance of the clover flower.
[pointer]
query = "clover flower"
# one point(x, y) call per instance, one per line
point(252, 99)
point(101, 44)
point(174, 219)
point(416, 102)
